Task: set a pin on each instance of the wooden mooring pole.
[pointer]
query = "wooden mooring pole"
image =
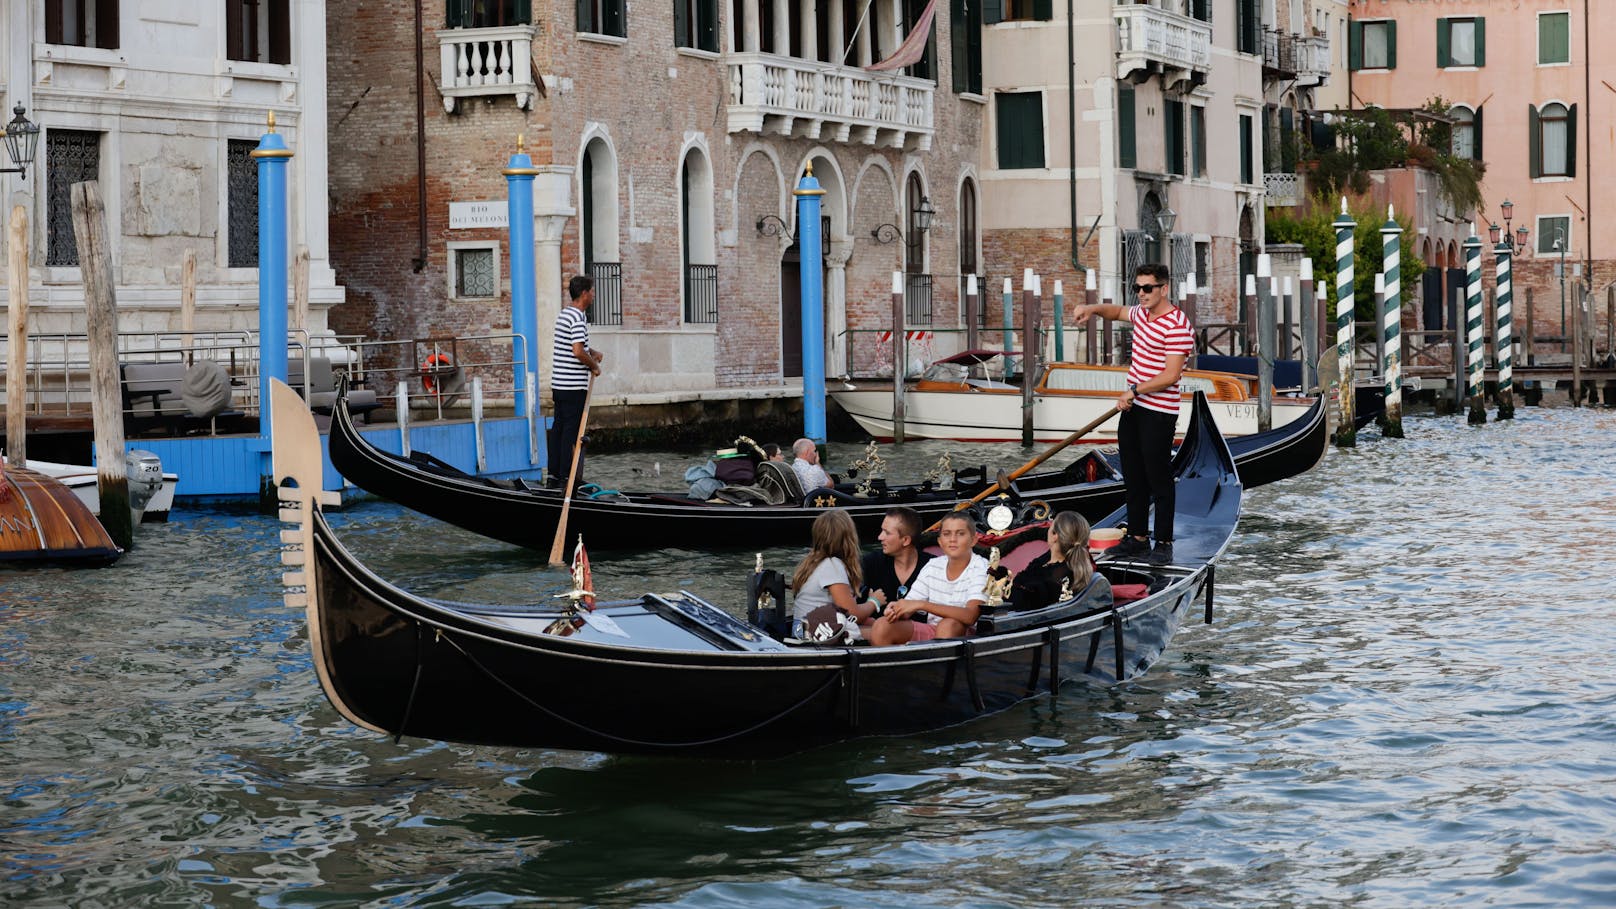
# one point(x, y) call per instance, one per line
point(1266, 339)
point(101, 318)
point(899, 367)
point(17, 347)
point(1091, 327)
point(188, 302)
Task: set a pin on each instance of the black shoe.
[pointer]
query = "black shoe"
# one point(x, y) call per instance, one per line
point(1129, 547)
point(1162, 554)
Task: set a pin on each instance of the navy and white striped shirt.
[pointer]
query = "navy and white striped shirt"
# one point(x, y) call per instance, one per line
point(570, 374)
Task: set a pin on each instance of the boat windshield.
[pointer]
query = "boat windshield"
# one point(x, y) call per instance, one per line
point(959, 369)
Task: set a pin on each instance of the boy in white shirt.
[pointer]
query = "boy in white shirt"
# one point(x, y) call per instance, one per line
point(949, 590)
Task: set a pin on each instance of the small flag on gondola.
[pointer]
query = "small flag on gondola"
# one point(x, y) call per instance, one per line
point(582, 583)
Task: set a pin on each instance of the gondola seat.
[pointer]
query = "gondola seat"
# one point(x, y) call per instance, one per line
point(778, 479)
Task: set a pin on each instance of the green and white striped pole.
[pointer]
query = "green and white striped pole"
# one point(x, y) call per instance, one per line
point(1506, 343)
point(1473, 332)
point(1391, 322)
point(1345, 302)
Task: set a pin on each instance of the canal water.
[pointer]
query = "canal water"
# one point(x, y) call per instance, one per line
point(1408, 698)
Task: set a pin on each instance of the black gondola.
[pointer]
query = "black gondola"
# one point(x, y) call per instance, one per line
point(687, 677)
point(525, 515)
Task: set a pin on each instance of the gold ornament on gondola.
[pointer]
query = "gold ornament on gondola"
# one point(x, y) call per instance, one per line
point(873, 466)
point(943, 474)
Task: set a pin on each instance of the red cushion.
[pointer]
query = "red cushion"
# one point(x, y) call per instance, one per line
point(1123, 593)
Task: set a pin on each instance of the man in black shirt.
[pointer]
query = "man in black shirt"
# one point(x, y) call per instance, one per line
point(887, 574)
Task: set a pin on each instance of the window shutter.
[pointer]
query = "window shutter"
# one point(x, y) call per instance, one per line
point(992, 12)
point(1043, 10)
point(1481, 41)
point(708, 32)
point(232, 32)
point(586, 16)
point(1287, 141)
point(1444, 56)
point(612, 12)
point(1571, 141)
point(1534, 142)
point(106, 24)
point(681, 23)
point(1391, 44)
point(280, 31)
point(1202, 10)
point(53, 21)
point(956, 42)
point(1172, 129)
point(1475, 136)
point(1355, 46)
point(1127, 149)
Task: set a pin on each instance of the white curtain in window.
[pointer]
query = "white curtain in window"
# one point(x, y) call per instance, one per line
point(1464, 132)
point(1462, 42)
point(1374, 45)
point(1554, 139)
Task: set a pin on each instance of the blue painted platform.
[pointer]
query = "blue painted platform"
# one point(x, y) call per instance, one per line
point(230, 466)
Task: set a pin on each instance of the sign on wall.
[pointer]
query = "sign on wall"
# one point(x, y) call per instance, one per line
point(478, 214)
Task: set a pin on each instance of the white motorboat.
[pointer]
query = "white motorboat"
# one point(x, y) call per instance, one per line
point(976, 396)
point(151, 491)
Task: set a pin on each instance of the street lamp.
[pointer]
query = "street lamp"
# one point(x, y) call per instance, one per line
point(1560, 247)
point(21, 136)
point(1166, 218)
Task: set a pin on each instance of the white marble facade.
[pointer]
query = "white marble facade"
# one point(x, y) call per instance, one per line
point(166, 99)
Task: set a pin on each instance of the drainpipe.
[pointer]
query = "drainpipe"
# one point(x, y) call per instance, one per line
point(418, 264)
point(1071, 130)
point(1587, 151)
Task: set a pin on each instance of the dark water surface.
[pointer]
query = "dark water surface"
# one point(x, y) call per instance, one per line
point(1408, 698)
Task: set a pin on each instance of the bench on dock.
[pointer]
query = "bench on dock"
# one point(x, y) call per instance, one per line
point(153, 400)
point(322, 388)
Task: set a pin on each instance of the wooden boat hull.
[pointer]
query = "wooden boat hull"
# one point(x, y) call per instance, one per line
point(689, 678)
point(525, 516)
point(41, 520)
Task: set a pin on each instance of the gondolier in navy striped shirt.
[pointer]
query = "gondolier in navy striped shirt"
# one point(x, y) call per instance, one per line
point(1162, 342)
point(574, 364)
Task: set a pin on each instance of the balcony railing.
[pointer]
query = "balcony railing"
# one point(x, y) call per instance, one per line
point(917, 299)
point(479, 62)
point(701, 294)
point(1282, 189)
point(1154, 39)
point(1278, 53)
point(813, 100)
point(1312, 60)
point(608, 307)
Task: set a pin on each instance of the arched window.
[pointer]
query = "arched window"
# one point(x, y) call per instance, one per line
point(967, 239)
point(598, 223)
point(1554, 138)
point(696, 239)
point(1466, 132)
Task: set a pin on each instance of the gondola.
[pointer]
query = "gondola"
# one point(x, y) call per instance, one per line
point(673, 673)
point(42, 521)
point(517, 512)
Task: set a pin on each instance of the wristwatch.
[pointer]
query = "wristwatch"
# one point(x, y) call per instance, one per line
point(1134, 387)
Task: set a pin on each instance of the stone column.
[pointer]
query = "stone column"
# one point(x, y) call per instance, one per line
point(836, 352)
point(865, 25)
point(808, 27)
point(782, 28)
point(752, 38)
point(552, 207)
point(837, 33)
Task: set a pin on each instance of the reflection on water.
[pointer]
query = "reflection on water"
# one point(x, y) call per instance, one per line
point(1406, 699)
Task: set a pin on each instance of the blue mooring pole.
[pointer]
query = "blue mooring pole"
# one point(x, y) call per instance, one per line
point(809, 242)
point(519, 173)
point(272, 154)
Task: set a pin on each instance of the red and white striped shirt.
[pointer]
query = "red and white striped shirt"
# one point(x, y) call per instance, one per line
point(1154, 340)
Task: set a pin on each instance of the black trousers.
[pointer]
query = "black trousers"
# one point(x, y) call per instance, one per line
point(1145, 441)
point(569, 412)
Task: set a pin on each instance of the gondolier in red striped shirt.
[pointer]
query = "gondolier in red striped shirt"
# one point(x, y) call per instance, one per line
point(1162, 342)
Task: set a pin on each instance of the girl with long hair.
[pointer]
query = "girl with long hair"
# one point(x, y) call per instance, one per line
point(829, 574)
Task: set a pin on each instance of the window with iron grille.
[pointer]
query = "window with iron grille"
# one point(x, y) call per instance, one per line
point(241, 172)
point(701, 294)
point(608, 305)
point(475, 272)
point(82, 23)
point(917, 299)
point(258, 31)
point(71, 156)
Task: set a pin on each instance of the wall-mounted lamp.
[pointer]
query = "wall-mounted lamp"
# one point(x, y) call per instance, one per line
point(772, 226)
point(1166, 218)
point(21, 136)
point(886, 233)
point(920, 215)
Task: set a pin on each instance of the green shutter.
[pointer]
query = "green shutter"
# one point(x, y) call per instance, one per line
point(1127, 148)
point(1571, 141)
point(1444, 39)
point(956, 43)
point(1481, 41)
point(1534, 142)
point(1043, 10)
point(1391, 44)
point(1247, 170)
point(1554, 38)
point(1197, 141)
point(1355, 46)
point(1287, 141)
point(992, 12)
point(1475, 132)
point(681, 24)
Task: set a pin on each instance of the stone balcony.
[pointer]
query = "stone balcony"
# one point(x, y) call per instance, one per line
point(483, 62)
point(1153, 40)
point(1312, 60)
point(785, 96)
point(1283, 189)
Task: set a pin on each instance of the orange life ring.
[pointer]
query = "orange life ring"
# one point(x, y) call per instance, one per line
point(436, 365)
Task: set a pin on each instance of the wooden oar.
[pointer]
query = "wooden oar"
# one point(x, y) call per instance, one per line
point(572, 475)
point(1005, 480)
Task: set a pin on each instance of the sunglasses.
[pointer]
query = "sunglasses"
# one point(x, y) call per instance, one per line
point(1145, 288)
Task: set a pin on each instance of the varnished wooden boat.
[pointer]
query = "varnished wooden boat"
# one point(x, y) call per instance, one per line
point(673, 673)
point(41, 520)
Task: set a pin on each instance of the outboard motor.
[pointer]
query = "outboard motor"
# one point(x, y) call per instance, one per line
point(766, 601)
point(145, 472)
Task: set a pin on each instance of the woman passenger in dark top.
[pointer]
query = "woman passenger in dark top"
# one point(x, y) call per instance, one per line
point(1066, 566)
